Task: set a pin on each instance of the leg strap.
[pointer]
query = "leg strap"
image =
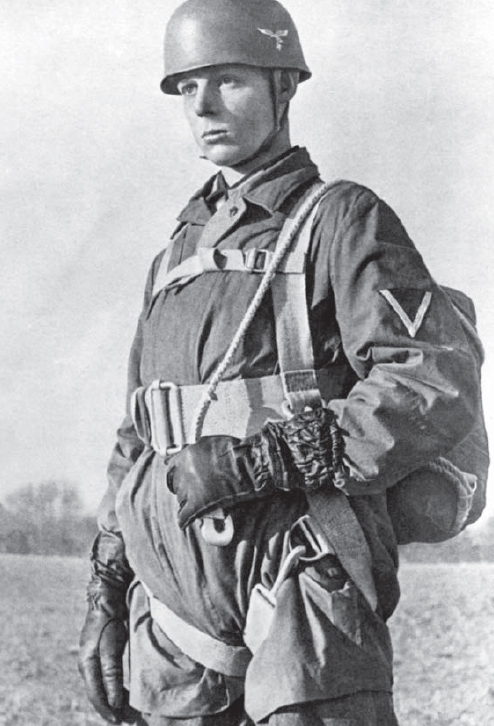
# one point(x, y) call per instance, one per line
point(230, 660)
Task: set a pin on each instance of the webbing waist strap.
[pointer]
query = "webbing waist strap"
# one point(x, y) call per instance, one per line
point(232, 660)
point(163, 413)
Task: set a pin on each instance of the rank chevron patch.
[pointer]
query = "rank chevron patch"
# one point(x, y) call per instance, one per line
point(410, 305)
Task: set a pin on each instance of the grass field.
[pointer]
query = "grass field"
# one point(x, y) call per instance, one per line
point(443, 632)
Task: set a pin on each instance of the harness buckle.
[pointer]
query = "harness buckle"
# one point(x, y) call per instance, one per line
point(163, 401)
point(256, 260)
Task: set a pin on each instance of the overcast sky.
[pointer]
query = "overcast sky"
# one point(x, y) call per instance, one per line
point(97, 163)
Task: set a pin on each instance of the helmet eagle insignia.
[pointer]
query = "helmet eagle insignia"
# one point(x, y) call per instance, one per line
point(278, 35)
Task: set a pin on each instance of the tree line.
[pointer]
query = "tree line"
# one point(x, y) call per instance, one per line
point(48, 518)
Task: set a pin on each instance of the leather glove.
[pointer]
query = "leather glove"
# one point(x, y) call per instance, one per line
point(104, 634)
point(310, 444)
point(221, 471)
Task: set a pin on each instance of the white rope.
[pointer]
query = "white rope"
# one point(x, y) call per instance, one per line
point(280, 251)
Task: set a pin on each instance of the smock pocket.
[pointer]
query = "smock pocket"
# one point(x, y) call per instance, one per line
point(334, 595)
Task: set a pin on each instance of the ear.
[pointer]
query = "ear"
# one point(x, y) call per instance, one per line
point(287, 85)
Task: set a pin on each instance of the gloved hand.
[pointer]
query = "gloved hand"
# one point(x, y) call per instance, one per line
point(310, 444)
point(221, 471)
point(104, 633)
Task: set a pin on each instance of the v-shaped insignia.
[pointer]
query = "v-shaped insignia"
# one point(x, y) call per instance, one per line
point(412, 326)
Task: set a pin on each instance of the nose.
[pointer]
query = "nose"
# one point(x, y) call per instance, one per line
point(204, 102)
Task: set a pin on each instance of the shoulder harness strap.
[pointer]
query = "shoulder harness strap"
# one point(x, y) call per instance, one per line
point(296, 357)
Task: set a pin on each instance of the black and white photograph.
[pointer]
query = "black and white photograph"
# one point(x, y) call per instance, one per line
point(246, 371)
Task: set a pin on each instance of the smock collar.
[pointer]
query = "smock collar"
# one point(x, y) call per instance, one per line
point(267, 188)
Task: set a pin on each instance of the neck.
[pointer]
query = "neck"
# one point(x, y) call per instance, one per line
point(280, 144)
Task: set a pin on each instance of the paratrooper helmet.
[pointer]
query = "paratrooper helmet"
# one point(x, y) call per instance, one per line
point(204, 33)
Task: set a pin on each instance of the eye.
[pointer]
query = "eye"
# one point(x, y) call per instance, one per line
point(228, 80)
point(187, 88)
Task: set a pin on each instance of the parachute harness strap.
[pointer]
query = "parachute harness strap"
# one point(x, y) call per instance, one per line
point(281, 249)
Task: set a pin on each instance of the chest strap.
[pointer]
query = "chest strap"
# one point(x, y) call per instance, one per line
point(213, 259)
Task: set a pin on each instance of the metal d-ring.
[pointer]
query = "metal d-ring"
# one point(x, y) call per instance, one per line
point(217, 528)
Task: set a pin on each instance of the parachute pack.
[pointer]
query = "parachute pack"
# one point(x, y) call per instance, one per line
point(438, 501)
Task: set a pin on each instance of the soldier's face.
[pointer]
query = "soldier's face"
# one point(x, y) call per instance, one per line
point(230, 111)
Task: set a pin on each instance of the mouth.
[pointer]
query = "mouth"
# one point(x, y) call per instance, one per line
point(210, 137)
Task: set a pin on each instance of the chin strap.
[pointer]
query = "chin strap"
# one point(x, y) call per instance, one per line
point(280, 113)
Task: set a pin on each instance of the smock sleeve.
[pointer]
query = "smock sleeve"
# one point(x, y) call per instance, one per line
point(128, 446)
point(418, 387)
